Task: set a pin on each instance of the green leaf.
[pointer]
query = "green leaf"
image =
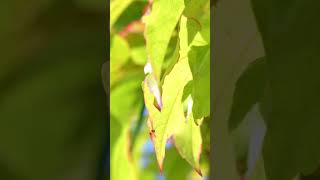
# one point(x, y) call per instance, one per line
point(188, 142)
point(166, 123)
point(119, 53)
point(292, 97)
point(248, 91)
point(173, 60)
point(119, 56)
point(188, 35)
point(194, 47)
point(236, 43)
point(176, 167)
point(138, 52)
point(199, 59)
point(115, 131)
point(125, 97)
point(196, 8)
point(160, 24)
point(187, 90)
point(196, 19)
point(205, 26)
point(116, 9)
point(139, 55)
point(121, 159)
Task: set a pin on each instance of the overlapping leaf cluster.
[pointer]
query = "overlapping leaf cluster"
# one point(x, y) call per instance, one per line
point(172, 39)
point(187, 80)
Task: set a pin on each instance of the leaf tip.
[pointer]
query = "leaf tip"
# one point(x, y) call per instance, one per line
point(198, 170)
point(160, 164)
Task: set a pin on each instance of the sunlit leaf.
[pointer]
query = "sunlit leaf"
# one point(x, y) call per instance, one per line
point(173, 60)
point(195, 8)
point(188, 142)
point(199, 59)
point(166, 123)
point(165, 54)
point(160, 24)
point(194, 47)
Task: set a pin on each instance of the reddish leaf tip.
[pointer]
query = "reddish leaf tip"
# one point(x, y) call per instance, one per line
point(199, 172)
point(160, 166)
point(160, 172)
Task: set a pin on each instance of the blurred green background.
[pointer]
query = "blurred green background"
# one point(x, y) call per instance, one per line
point(53, 107)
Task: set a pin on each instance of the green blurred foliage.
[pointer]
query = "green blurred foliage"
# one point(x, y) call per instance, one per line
point(285, 84)
point(291, 99)
point(52, 103)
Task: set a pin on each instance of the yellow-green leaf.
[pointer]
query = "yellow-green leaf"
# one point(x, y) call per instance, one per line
point(119, 52)
point(188, 142)
point(196, 49)
point(160, 24)
point(122, 163)
point(164, 124)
